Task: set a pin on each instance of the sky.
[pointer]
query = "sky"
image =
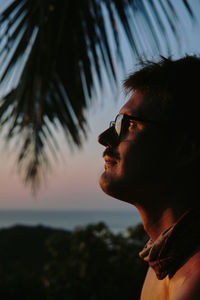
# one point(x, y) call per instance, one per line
point(73, 181)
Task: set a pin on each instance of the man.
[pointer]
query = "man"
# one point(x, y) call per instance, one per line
point(152, 160)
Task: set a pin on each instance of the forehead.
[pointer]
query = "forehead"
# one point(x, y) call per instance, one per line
point(140, 106)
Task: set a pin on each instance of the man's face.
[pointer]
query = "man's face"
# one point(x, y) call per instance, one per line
point(144, 154)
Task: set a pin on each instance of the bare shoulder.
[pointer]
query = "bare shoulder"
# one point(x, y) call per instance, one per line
point(185, 285)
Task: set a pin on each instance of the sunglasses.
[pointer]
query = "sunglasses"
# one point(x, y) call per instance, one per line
point(122, 123)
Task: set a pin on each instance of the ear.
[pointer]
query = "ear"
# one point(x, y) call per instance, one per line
point(187, 151)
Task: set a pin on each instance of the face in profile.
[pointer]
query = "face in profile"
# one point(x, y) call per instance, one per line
point(138, 150)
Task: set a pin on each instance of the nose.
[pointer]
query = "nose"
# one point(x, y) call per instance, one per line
point(109, 138)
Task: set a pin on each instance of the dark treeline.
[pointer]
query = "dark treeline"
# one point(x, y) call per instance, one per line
point(89, 263)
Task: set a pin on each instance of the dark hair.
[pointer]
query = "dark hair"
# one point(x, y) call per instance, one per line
point(174, 82)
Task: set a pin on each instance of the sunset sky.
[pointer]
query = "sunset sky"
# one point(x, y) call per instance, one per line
point(73, 182)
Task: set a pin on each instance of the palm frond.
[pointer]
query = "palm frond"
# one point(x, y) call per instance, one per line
point(50, 52)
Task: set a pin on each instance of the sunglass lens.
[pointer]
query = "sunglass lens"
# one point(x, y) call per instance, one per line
point(118, 124)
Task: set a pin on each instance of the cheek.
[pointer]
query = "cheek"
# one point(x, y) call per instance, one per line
point(128, 158)
point(147, 155)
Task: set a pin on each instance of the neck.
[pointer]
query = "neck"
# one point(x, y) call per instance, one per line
point(161, 211)
point(157, 222)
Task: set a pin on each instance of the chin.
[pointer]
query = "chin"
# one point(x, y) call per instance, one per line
point(111, 186)
point(129, 192)
point(104, 183)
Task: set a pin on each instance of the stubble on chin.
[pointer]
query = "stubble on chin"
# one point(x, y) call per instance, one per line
point(111, 186)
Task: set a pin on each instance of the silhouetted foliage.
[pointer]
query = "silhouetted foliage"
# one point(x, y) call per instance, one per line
point(22, 256)
point(86, 263)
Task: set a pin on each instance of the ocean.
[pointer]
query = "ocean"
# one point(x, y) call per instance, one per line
point(117, 221)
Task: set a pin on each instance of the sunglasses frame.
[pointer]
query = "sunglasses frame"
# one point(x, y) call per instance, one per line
point(122, 117)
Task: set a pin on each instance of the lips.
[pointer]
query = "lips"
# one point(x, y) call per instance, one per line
point(109, 161)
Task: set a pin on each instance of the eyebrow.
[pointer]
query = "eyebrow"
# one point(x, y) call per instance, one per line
point(141, 119)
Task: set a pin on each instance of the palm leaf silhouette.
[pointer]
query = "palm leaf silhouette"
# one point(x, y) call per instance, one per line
point(50, 52)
